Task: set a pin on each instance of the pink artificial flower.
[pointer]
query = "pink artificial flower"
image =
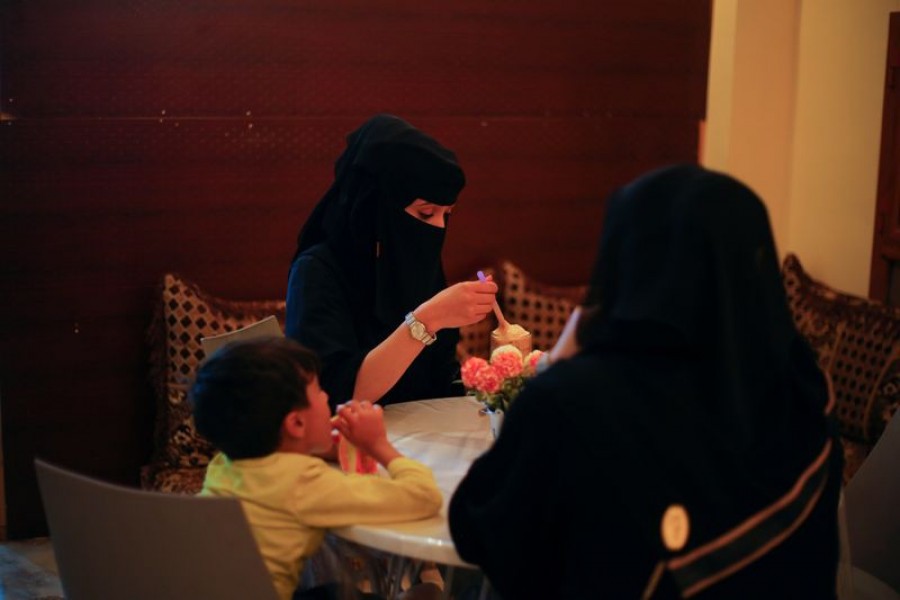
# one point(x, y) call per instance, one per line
point(531, 361)
point(504, 349)
point(507, 364)
point(488, 380)
point(470, 369)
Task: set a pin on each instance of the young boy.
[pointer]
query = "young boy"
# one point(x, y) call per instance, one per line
point(259, 403)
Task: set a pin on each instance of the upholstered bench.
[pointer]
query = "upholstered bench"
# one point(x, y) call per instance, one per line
point(857, 341)
point(185, 314)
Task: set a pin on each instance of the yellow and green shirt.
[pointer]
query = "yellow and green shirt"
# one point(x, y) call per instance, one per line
point(291, 499)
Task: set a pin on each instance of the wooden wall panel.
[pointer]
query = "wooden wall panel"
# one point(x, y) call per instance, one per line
point(336, 58)
point(139, 137)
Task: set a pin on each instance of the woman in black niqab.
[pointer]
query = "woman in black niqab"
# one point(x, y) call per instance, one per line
point(692, 405)
point(369, 255)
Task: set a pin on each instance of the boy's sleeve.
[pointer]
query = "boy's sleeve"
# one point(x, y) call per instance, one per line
point(331, 498)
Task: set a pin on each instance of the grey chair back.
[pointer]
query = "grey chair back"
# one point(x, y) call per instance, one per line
point(115, 542)
point(872, 505)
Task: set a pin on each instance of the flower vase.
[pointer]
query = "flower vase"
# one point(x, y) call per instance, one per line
point(496, 420)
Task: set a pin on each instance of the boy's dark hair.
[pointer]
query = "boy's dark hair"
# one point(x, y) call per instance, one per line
point(242, 393)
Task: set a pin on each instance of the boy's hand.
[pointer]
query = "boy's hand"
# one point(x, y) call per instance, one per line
point(362, 423)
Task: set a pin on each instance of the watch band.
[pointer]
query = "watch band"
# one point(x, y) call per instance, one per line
point(418, 331)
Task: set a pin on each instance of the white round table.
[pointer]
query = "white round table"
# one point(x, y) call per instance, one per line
point(446, 434)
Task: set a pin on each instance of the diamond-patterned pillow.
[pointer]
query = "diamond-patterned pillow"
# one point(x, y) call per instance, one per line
point(858, 343)
point(540, 308)
point(184, 315)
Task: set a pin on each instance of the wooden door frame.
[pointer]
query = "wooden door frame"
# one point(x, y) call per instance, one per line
point(886, 240)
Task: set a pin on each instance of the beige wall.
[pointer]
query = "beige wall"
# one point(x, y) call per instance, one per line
point(751, 98)
point(795, 95)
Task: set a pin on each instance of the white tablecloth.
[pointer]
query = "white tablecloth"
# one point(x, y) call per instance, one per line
point(446, 434)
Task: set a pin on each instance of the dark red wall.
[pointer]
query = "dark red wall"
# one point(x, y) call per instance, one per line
point(194, 136)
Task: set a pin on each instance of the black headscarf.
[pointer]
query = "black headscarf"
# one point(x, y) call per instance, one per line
point(693, 401)
point(393, 259)
point(687, 268)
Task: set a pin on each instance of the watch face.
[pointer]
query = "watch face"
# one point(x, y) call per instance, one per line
point(417, 330)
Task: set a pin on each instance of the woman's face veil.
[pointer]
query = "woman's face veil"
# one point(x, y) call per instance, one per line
point(392, 258)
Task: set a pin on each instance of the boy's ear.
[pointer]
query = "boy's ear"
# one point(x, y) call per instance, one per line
point(294, 424)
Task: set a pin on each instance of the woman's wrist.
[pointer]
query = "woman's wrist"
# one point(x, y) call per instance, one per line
point(426, 315)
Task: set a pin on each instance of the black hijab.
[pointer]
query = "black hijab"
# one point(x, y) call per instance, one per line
point(392, 258)
point(694, 408)
point(687, 276)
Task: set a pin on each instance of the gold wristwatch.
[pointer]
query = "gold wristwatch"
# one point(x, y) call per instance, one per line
point(417, 330)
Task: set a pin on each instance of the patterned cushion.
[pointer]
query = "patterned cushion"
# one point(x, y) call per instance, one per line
point(540, 308)
point(183, 480)
point(184, 315)
point(858, 343)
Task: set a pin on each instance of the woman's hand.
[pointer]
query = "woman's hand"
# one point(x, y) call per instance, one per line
point(460, 304)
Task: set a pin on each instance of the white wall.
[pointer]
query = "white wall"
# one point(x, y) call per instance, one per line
point(794, 110)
